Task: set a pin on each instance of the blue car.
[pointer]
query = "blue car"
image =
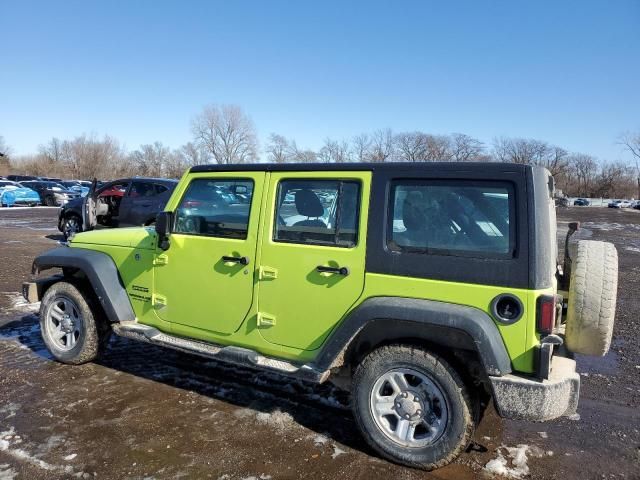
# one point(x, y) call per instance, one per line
point(77, 186)
point(13, 194)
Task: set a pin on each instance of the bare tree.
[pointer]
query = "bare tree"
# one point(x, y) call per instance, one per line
point(192, 154)
point(300, 155)
point(52, 151)
point(532, 152)
point(150, 160)
point(277, 149)
point(465, 148)
point(334, 151)
point(382, 146)
point(226, 133)
point(585, 168)
point(631, 141)
point(5, 151)
point(438, 148)
point(411, 146)
point(361, 147)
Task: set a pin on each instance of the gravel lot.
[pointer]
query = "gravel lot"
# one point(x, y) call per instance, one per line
point(145, 412)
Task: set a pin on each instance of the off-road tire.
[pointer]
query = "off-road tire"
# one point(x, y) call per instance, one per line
point(592, 297)
point(96, 330)
point(460, 425)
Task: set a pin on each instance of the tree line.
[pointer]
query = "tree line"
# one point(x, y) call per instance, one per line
point(225, 134)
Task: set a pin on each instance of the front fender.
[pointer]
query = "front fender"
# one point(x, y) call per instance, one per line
point(446, 324)
point(101, 272)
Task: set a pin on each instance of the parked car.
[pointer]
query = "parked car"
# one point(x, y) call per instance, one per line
point(562, 202)
point(51, 193)
point(619, 204)
point(13, 194)
point(636, 205)
point(428, 286)
point(120, 203)
point(581, 202)
point(21, 178)
point(76, 186)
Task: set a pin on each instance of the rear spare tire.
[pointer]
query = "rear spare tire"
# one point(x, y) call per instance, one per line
point(592, 297)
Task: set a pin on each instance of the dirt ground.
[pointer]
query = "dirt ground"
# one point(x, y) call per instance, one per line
point(146, 412)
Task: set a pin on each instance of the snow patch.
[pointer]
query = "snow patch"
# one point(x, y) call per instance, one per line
point(72, 456)
point(278, 419)
point(320, 440)
point(9, 436)
point(337, 451)
point(10, 409)
point(17, 303)
point(6, 472)
point(514, 464)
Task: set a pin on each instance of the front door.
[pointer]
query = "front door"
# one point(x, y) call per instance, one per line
point(205, 279)
point(313, 254)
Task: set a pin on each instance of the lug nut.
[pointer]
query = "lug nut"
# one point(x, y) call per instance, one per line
point(419, 412)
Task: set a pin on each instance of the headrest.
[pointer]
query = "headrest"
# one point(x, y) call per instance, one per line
point(308, 204)
point(413, 211)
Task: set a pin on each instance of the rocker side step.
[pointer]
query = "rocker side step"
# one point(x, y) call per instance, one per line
point(230, 354)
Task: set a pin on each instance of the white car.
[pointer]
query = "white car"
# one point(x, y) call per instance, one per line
point(620, 204)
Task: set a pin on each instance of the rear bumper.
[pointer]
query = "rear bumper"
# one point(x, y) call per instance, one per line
point(527, 398)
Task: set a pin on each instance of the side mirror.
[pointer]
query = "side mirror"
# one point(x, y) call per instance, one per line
point(163, 229)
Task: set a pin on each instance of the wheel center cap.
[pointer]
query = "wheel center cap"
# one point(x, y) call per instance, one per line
point(409, 406)
point(66, 323)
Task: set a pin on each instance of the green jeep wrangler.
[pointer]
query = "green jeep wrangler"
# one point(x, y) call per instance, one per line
point(431, 287)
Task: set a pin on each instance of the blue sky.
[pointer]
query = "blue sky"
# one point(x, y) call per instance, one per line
point(565, 72)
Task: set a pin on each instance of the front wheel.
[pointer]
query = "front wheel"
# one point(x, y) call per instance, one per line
point(73, 330)
point(71, 225)
point(412, 407)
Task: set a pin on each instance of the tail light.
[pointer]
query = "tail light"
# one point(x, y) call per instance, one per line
point(546, 313)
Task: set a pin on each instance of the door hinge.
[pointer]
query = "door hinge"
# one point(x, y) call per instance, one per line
point(159, 301)
point(267, 273)
point(161, 259)
point(266, 319)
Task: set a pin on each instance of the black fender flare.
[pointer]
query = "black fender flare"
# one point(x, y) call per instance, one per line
point(101, 272)
point(446, 324)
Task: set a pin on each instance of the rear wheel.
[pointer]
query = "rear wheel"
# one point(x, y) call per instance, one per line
point(73, 329)
point(49, 202)
point(412, 407)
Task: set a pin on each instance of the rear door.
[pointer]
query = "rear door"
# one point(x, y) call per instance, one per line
point(312, 256)
point(136, 205)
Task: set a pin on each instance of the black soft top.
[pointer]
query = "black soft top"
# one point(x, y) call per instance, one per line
point(364, 166)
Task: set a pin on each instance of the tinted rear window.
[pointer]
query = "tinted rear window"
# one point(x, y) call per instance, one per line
point(455, 218)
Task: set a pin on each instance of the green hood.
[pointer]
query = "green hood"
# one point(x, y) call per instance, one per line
point(135, 237)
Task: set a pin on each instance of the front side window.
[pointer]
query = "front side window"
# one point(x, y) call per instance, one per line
point(215, 208)
point(456, 218)
point(317, 212)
